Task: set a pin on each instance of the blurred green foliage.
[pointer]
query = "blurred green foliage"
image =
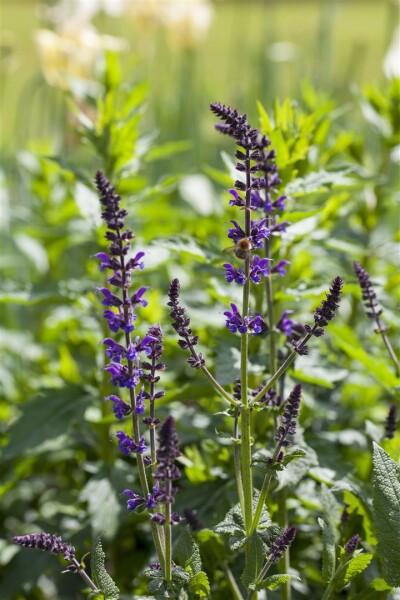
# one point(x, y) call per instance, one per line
point(60, 468)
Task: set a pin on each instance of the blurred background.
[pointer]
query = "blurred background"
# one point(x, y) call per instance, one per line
point(189, 52)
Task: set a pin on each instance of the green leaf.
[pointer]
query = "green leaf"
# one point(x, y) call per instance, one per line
point(45, 419)
point(211, 545)
point(200, 586)
point(386, 509)
point(297, 469)
point(168, 149)
point(103, 504)
point(318, 181)
point(255, 558)
point(187, 552)
point(184, 245)
point(376, 590)
point(329, 550)
point(346, 340)
point(99, 574)
point(356, 565)
point(273, 581)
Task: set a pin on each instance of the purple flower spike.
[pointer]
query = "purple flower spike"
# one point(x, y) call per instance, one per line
point(232, 274)
point(114, 351)
point(285, 324)
point(236, 200)
point(290, 416)
point(137, 297)
point(120, 408)
point(325, 313)
point(259, 268)
point(233, 319)
point(47, 543)
point(351, 544)
point(113, 320)
point(236, 323)
point(280, 268)
point(135, 262)
point(109, 298)
point(134, 500)
point(126, 444)
point(281, 544)
point(140, 398)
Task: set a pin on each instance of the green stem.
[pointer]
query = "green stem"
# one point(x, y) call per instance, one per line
point(282, 369)
point(236, 460)
point(84, 576)
point(234, 586)
point(284, 563)
point(168, 536)
point(328, 592)
point(218, 388)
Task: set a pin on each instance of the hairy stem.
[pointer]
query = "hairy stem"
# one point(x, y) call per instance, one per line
point(236, 459)
point(84, 575)
point(284, 563)
point(168, 535)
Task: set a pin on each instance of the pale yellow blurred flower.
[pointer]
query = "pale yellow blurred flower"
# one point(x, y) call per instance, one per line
point(391, 62)
point(186, 21)
point(73, 52)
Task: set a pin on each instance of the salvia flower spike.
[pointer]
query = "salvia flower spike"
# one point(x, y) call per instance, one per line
point(55, 545)
point(373, 312)
point(391, 422)
point(46, 542)
point(127, 368)
point(351, 544)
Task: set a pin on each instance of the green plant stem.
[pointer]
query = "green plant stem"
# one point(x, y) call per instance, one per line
point(236, 460)
point(284, 563)
point(264, 491)
point(282, 369)
point(234, 586)
point(381, 331)
point(168, 535)
point(84, 575)
point(218, 388)
point(252, 594)
point(328, 592)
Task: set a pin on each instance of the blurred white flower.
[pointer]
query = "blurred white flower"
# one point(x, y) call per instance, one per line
point(73, 51)
point(186, 21)
point(85, 10)
point(391, 62)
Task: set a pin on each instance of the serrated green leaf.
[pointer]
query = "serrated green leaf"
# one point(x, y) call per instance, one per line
point(356, 565)
point(255, 558)
point(296, 470)
point(187, 552)
point(99, 574)
point(358, 504)
point(200, 586)
point(386, 510)
point(232, 523)
point(273, 581)
point(328, 551)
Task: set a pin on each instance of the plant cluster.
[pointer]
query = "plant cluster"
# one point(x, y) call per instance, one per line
point(282, 520)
